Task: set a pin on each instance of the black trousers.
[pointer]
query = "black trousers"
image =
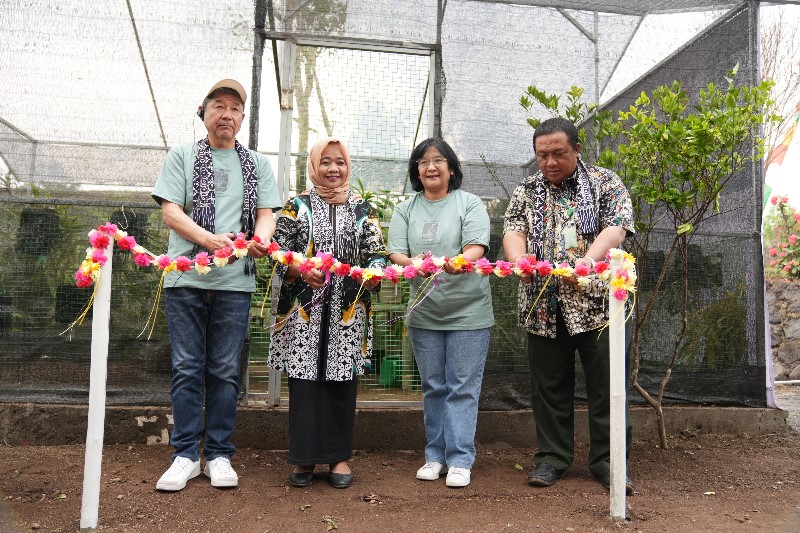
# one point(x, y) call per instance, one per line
point(552, 371)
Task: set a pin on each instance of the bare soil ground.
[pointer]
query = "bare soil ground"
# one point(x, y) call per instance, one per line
point(701, 483)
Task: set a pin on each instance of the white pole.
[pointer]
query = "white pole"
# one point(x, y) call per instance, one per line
point(616, 355)
point(90, 503)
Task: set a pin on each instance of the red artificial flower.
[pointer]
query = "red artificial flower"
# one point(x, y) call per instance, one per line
point(306, 266)
point(98, 239)
point(223, 252)
point(526, 265)
point(600, 267)
point(257, 239)
point(544, 268)
point(183, 263)
point(82, 280)
point(356, 273)
point(343, 269)
point(202, 259)
point(483, 266)
point(273, 247)
point(126, 243)
point(582, 270)
point(240, 242)
point(327, 261)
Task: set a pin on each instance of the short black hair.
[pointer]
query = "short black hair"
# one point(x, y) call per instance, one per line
point(556, 125)
point(446, 151)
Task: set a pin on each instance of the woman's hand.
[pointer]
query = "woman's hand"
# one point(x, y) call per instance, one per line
point(314, 277)
point(371, 283)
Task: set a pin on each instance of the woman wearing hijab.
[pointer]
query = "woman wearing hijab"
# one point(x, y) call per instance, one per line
point(322, 337)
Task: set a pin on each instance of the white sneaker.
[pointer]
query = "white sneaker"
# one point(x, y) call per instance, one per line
point(221, 472)
point(182, 470)
point(457, 477)
point(430, 471)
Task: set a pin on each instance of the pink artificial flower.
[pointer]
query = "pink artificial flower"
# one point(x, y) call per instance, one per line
point(774, 200)
point(526, 265)
point(391, 273)
point(503, 268)
point(223, 252)
point(621, 294)
point(342, 269)
point(288, 256)
point(164, 261)
point(126, 243)
point(98, 239)
point(582, 270)
point(600, 267)
point(409, 272)
point(240, 242)
point(82, 279)
point(109, 228)
point(428, 266)
point(183, 263)
point(142, 260)
point(327, 261)
point(793, 239)
point(483, 266)
point(306, 266)
point(356, 273)
point(202, 259)
point(773, 252)
point(99, 257)
point(544, 268)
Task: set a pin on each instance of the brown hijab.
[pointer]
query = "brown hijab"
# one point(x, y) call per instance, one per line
point(335, 195)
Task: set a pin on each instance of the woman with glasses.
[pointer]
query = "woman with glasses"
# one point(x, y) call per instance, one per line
point(449, 325)
point(323, 329)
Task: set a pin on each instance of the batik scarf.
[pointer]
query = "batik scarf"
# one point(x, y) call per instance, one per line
point(587, 218)
point(204, 198)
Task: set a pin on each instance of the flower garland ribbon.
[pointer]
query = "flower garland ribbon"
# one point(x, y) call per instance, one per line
point(621, 281)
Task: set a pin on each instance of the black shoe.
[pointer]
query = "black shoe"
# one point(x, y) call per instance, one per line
point(605, 480)
point(301, 479)
point(341, 481)
point(544, 475)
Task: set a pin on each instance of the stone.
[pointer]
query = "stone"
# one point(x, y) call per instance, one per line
point(779, 371)
point(791, 329)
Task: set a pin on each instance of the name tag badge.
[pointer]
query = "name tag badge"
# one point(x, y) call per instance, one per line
point(570, 237)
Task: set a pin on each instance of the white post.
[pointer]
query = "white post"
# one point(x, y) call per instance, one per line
point(90, 503)
point(617, 378)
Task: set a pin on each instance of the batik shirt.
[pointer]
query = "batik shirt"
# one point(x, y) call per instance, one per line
point(325, 334)
point(583, 308)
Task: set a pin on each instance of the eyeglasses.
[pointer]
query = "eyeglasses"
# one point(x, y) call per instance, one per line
point(437, 161)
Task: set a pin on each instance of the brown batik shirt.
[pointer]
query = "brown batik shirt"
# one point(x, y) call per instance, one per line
point(583, 308)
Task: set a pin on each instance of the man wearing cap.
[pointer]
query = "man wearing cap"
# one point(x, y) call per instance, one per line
point(209, 191)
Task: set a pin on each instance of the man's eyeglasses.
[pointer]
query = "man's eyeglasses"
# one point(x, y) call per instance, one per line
point(437, 161)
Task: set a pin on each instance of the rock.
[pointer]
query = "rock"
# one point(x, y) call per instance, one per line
point(779, 371)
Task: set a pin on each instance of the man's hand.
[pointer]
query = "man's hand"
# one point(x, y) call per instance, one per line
point(258, 249)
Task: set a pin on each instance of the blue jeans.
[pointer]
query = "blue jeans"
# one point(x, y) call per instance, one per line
point(451, 366)
point(207, 331)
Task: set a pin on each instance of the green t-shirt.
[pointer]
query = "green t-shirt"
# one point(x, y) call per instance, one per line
point(175, 185)
point(443, 227)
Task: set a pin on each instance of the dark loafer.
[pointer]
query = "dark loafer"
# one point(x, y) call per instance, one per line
point(301, 479)
point(341, 481)
point(544, 475)
point(605, 480)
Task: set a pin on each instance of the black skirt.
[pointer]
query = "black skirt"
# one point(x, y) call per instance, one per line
point(321, 419)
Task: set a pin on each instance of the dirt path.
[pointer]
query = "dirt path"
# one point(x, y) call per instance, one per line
point(701, 483)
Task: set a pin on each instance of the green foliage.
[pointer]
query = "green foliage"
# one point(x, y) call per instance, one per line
point(782, 238)
point(383, 201)
point(574, 110)
point(716, 333)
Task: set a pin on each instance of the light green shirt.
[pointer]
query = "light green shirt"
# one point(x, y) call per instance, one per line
point(443, 227)
point(175, 185)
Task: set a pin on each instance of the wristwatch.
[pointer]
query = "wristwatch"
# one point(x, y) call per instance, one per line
point(592, 262)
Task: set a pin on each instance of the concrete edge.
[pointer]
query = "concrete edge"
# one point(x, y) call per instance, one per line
point(376, 428)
